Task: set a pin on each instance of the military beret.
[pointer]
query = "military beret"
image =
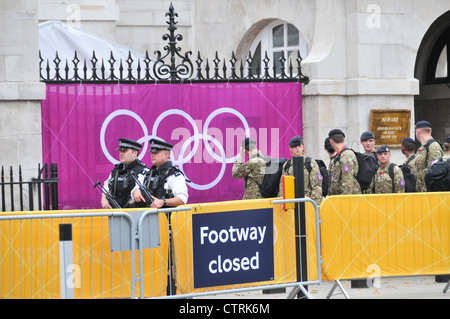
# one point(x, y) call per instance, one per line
point(422, 124)
point(334, 132)
point(157, 145)
point(408, 140)
point(247, 141)
point(295, 141)
point(125, 143)
point(367, 136)
point(383, 148)
point(327, 144)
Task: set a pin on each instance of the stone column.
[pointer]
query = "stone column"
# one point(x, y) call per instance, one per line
point(361, 61)
point(20, 90)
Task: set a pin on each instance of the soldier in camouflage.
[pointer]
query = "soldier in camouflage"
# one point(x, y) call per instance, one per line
point(428, 153)
point(408, 149)
point(382, 182)
point(343, 167)
point(313, 178)
point(252, 171)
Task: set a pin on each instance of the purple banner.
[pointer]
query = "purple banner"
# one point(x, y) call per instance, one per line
point(81, 125)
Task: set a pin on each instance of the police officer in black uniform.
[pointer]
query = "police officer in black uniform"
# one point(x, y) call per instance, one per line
point(120, 182)
point(167, 187)
point(165, 182)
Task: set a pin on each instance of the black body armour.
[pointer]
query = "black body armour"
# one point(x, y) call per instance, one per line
point(157, 177)
point(122, 182)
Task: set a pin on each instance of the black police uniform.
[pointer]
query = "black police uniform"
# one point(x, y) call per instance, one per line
point(156, 178)
point(121, 183)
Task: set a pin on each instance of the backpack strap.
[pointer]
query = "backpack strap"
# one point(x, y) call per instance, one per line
point(308, 168)
point(391, 174)
point(308, 164)
point(410, 159)
point(427, 146)
point(287, 166)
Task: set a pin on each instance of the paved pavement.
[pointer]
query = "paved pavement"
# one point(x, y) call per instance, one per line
point(417, 287)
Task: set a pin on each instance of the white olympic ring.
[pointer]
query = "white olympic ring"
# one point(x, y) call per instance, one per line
point(105, 125)
point(206, 126)
point(222, 169)
point(196, 137)
point(187, 117)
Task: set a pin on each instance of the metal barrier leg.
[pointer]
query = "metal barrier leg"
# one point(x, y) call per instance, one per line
point(294, 292)
point(446, 287)
point(305, 292)
point(171, 275)
point(337, 283)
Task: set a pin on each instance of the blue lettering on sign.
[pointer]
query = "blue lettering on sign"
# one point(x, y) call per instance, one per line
point(232, 247)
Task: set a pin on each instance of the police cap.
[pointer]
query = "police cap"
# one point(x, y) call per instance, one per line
point(367, 136)
point(423, 124)
point(447, 140)
point(295, 141)
point(334, 132)
point(383, 148)
point(125, 143)
point(157, 145)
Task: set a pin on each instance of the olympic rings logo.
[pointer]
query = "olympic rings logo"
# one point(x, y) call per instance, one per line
point(196, 137)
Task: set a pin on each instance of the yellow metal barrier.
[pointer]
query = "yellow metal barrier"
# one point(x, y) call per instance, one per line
point(284, 243)
point(367, 236)
point(29, 259)
point(29, 253)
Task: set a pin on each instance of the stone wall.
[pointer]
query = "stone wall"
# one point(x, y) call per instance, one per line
point(20, 90)
point(362, 54)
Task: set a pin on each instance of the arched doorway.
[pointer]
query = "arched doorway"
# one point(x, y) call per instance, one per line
point(433, 72)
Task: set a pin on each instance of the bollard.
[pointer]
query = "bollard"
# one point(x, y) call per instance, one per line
point(65, 259)
point(300, 222)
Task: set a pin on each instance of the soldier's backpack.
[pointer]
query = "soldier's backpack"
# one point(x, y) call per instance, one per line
point(408, 176)
point(271, 182)
point(437, 177)
point(367, 168)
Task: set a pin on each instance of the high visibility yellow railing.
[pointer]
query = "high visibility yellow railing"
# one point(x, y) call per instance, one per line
point(385, 235)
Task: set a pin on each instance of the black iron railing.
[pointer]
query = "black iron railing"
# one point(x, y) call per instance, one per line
point(39, 193)
point(170, 66)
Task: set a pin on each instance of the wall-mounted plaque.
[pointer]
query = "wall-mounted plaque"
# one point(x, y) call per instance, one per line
point(390, 127)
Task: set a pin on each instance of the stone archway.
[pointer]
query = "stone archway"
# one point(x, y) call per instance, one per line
point(433, 72)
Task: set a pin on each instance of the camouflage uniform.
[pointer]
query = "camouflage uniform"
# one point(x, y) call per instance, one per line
point(252, 172)
point(382, 181)
point(434, 153)
point(343, 171)
point(313, 180)
point(411, 164)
